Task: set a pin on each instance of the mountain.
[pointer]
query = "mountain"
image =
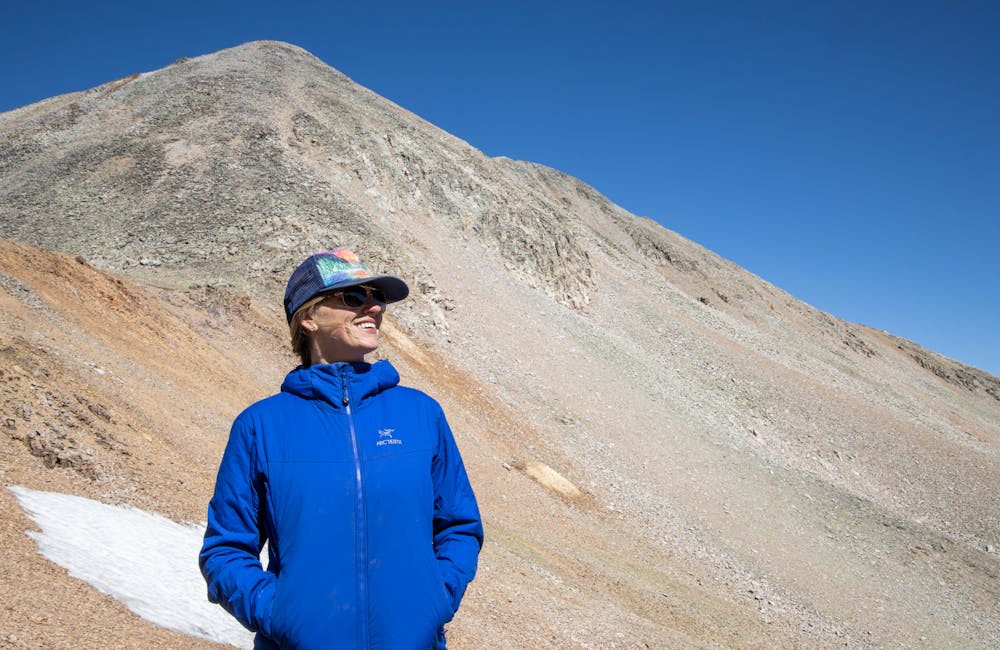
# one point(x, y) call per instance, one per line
point(668, 451)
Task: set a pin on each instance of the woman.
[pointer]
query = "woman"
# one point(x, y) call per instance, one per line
point(354, 481)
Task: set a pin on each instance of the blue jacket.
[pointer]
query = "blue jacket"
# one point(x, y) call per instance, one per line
point(356, 484)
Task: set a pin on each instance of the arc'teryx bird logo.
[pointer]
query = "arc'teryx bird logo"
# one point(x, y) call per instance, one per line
point(385, 438)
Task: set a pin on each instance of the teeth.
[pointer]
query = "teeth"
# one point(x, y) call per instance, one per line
point(367, 326)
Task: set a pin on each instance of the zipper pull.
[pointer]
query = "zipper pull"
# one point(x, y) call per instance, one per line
point(343, 382)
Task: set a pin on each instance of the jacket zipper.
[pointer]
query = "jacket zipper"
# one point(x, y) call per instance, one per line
point(361, 525)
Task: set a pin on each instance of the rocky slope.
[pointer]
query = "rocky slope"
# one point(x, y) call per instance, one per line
point(669, 452)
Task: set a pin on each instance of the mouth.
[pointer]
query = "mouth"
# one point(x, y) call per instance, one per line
point(367, 325)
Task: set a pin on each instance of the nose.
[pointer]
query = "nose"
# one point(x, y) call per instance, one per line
point(371, 306)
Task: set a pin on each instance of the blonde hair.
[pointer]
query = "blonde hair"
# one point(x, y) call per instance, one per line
point(300, 337)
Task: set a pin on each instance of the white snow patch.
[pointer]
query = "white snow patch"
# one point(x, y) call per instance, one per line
point(146, 561)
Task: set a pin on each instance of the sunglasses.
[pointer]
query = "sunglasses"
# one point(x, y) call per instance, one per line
point(355, 297)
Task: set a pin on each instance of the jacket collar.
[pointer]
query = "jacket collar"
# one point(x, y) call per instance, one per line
point(328, 382)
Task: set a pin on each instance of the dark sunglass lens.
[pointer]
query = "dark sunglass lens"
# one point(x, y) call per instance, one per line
point(354, 297)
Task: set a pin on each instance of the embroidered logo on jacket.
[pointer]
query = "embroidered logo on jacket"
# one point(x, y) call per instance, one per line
point(385, 438)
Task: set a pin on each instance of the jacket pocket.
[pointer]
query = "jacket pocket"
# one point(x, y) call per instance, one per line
point(443, 601)
point(272, 625)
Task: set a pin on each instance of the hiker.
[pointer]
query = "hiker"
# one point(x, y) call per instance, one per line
point(354, 481)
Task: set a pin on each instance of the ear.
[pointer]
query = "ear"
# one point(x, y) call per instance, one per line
point(309, 325)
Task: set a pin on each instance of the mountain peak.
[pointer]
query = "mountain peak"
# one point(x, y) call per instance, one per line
point(747, 470)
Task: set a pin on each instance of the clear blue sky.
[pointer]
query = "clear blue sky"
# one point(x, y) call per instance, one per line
point(848, 152)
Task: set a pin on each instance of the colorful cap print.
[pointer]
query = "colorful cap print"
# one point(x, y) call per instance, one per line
point(332, 270)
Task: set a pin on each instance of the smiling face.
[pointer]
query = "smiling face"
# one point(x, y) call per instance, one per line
point(341, 333)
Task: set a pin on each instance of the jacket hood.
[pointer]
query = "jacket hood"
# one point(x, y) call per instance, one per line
point(329, 381)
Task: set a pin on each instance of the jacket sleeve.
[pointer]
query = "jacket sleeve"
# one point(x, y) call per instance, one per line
point(230, 555)
point(458, 528)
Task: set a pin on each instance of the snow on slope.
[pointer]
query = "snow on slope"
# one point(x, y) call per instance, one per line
point(146, 561)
